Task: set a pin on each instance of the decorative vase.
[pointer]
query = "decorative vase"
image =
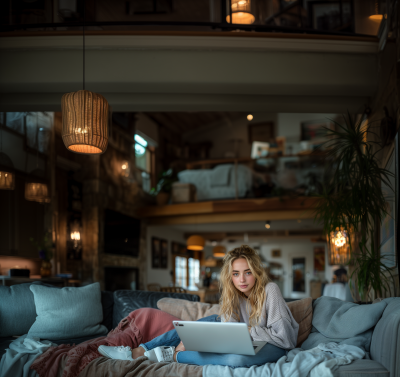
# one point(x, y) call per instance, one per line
point(162, 198)
point(45, 269)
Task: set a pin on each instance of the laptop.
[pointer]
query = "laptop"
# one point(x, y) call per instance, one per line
point(217, 337)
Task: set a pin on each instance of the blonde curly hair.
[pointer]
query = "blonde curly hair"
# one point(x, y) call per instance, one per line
point(229, 302)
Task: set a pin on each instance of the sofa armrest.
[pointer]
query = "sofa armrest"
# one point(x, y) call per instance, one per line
point(126, 301)
point(385, 343)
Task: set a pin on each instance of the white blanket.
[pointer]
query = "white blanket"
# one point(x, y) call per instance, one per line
point(20, 356)
point(321, 361)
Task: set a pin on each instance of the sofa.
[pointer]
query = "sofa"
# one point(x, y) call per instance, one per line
point(384, 350)
point(116, 306)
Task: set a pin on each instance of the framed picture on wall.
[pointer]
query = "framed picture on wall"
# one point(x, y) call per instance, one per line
point(178, 248)
point(276, 253)
point(314, 130)
point(388, 238)
point(155, 252)
point(264, 132)
point(164, 254)
point(331, 15)
point(319, 258)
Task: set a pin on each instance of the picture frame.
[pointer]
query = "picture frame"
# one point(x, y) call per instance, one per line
point(164, 254)
point(319, 258)
point(331, 15)
point(261, 132)
point(314, 130)
point(276, 253)
point(155, 252)
point(388, 236)
point(178, 248)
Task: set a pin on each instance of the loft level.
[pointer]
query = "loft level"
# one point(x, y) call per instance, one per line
point(230, 211)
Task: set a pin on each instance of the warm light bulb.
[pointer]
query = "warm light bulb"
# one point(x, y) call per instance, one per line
point(123, 167)
point(249, 117)
point(75, 236)
point(340, 239)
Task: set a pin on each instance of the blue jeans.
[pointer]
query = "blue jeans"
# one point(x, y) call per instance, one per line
point(268, 354)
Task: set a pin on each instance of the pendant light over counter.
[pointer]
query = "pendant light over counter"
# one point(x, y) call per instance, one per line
point(241, 12)
point(195, 243)
point(85, 117)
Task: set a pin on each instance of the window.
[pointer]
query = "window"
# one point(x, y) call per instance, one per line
point(144, 155)
point(180, 272)
point(187, 270)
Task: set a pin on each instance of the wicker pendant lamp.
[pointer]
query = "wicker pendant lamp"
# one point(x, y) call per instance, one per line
point(36, 189)
point(339, 246)
point(241, 12)
point(195, 243)
point(219, 251)
point(85, 117)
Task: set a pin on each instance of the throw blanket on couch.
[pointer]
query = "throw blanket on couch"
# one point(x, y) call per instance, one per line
point(140, 326)
point(321, 361)
point(343, 322)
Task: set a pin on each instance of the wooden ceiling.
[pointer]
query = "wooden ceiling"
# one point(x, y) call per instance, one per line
point(182, 122)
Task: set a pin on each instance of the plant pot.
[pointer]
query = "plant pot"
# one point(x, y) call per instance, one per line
point(162, 198)
point(45, 269)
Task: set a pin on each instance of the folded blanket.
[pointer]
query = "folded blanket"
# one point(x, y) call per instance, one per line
point(321, 361)
point(141, 367)
point(21, 355)
point(343, 322)
point(140, 326)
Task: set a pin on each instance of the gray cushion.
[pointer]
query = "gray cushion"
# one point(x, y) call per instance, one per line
point(17, 309)
point(385, 343)
point(126, 301)
point(362, 368)
point(67, 312)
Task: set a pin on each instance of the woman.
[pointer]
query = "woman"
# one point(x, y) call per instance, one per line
point(247, 296)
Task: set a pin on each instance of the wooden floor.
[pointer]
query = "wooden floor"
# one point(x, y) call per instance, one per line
point(230, 211)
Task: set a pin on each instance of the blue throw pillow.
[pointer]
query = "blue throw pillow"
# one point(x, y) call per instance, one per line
point(67, 312)
point(17, 309)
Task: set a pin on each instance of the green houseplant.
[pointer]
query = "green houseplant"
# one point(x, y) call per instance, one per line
point(164, 186)
point(352, 199)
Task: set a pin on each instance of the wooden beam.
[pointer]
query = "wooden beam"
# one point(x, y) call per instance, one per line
point(233, 217)
point(229, 206)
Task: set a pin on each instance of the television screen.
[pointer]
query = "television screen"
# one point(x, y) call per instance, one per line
point(121, 234)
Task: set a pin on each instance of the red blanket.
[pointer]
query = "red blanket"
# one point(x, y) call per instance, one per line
point(140, 326)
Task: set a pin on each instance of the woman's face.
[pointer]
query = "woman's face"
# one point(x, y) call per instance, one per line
point(242, 277)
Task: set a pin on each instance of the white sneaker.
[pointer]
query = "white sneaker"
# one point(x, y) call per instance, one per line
point(117, 353)
point(165, 354)
point(151, 355)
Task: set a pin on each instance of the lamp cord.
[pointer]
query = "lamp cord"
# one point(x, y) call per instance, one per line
point(83, 28)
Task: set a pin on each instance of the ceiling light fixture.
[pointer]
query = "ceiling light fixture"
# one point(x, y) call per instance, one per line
point(241, 12)
point(219, 251)
point(85, 117)
point(250, 117)
point(195, 243)
point(268, 224)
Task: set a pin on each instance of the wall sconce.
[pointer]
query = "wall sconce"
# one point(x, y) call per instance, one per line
point(125, 169)
point(76, 236)
point(268, 224)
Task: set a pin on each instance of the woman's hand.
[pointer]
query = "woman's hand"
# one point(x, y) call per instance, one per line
point(179, 347)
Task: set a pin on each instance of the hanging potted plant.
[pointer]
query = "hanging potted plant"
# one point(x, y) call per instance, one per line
point(164, 187)
point(353, 201)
